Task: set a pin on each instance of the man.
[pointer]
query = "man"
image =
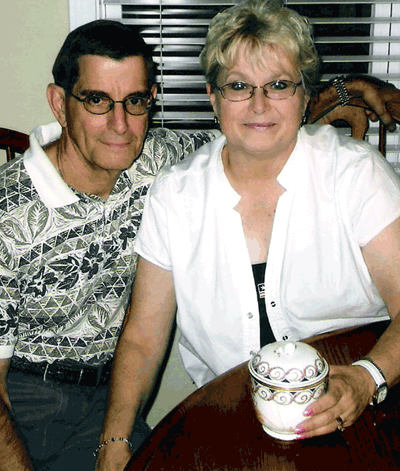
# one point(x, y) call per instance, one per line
point(69, 214)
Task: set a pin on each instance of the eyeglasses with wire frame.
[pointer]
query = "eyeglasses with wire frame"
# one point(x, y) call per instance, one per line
point(136, 104)
point(275, 90)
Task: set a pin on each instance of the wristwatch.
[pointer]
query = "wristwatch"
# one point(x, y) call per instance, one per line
point(343, 94)
point(377, 375)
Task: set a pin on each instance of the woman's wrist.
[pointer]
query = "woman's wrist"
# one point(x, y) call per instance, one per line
point(112, 440)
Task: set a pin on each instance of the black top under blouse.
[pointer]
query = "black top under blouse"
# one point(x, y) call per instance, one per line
point(266, 334)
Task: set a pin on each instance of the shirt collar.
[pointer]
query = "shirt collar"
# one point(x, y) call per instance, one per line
point(225, 189)
point(291, 173)
point(52, 189)
point(294, 169)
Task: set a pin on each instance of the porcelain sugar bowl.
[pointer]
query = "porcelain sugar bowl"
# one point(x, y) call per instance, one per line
point(286, 378)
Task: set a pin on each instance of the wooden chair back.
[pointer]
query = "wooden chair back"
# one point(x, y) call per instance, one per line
point(13, 142)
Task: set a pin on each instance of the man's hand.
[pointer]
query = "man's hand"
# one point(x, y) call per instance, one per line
point(349, 393)
point(380, 100)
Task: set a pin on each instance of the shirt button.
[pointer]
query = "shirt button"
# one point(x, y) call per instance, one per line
point(285, 337)
point(273, 303)
point(250, 315)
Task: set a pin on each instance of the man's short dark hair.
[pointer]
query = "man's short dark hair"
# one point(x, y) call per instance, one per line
point(105, 38)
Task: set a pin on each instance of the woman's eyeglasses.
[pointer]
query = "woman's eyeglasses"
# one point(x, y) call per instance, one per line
point(276, 90)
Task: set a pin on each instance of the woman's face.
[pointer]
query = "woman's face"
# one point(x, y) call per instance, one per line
point(260, 126)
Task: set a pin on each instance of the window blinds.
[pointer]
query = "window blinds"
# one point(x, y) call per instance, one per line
point(351, 37)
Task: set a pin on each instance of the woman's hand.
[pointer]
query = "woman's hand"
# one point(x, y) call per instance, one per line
point(349, 392)
point(114, 458)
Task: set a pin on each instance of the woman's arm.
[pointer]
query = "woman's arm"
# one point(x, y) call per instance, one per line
point(351, 387)
point(382, 256)
point(137, 359)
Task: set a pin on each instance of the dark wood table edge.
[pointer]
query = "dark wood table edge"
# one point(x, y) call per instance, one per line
point(319, 342)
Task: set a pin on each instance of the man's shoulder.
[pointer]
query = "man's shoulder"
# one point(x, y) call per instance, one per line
point(21, 212)
point(176, 134)
point(164, 147)
point(12, 174)
point(175, 145)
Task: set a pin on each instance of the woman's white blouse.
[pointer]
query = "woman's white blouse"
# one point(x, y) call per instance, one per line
point(340, 193)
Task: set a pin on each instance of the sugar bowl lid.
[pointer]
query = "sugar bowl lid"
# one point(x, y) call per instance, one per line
point(288, 365)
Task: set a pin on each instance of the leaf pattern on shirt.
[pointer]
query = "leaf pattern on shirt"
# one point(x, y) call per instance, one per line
point(5, 256)
point(98, 318)
point(71, 212)
point(69, 267)
point(10, 322)
point(37, 218)
point(12, 230)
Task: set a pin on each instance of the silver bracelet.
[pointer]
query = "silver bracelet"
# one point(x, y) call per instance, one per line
point(113, 439)
point(341, 89)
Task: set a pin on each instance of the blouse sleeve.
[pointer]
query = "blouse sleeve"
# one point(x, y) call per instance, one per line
point(152, 241)
point(373, 195)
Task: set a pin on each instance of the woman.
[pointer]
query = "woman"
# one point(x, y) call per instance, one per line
point(318, 212)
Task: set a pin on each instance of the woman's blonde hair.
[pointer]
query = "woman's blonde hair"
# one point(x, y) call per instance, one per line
point(256, 24)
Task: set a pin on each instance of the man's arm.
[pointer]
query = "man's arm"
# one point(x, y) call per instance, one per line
point(351, 387)
point(382, 98)
point(13, 455)
point(137, 359)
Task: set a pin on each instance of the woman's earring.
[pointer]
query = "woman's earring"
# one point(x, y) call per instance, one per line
point(306, 115)
point(216, 121)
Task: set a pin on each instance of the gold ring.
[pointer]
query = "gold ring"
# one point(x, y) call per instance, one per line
point(339, 421)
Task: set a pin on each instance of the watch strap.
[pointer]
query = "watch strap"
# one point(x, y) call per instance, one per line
point(374, 370)
point(343, 94)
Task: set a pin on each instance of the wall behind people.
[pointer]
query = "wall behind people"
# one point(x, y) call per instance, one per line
point(31, 33)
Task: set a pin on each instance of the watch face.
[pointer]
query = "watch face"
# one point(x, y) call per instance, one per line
point(381, 393)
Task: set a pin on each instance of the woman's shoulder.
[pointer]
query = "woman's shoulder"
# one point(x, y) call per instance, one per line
point(326, 138)
point(343, 162)
point(329, 147)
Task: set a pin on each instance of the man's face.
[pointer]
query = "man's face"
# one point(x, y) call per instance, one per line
point(111, 141)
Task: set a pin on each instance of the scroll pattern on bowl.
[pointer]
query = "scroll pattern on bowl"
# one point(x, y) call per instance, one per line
point(285, 397)
point(292, 375)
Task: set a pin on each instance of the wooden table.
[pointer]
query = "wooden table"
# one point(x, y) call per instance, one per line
point(215, 428)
